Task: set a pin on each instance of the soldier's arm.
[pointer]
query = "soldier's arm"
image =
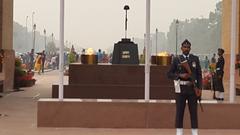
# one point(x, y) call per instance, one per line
point(172, 73)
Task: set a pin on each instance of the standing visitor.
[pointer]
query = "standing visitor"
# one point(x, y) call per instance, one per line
point(31, 55)
point(53, 62)
point(213, 59)
point(206, 63)
point(43, 60)
point(38, 63)
point(99, 55)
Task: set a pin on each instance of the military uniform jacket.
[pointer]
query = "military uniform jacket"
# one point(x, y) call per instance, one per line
point(220, 66)
point(176, 69)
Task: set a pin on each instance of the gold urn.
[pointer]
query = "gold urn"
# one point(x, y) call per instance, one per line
point(89, 57)
point(162, 59)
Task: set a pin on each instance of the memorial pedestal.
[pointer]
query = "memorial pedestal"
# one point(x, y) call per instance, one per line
point(115, 82)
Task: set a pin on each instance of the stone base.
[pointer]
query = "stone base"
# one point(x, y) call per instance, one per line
point(107, 81)
point(131, 114)
point(98, 91)
point(8, 69)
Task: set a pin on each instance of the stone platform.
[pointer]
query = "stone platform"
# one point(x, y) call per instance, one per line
point(115, 82)
point(98, 113)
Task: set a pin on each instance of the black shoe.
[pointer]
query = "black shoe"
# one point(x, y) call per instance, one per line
point(220, 99)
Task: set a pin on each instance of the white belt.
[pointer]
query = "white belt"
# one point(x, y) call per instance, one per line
point(185, 83)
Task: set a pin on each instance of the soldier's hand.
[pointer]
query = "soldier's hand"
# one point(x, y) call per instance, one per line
point(198, 92)
point(184, 75)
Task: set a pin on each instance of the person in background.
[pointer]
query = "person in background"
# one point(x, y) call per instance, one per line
point(188, 84)
point(213, 59)
point(219, 75)
point(31, 56)
point(57, 60)
point(83, 51)
point(53, 62)
point(100, 56)
point(38, 63)
point(43, 60)
point(206, 63)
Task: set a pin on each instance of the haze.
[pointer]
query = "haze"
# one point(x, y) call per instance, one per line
point(100, 23)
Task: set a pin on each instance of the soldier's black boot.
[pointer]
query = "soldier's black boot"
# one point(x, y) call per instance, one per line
point(214, 95)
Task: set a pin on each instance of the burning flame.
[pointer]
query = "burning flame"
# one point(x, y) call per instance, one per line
point(163, 54)
point(89, 51)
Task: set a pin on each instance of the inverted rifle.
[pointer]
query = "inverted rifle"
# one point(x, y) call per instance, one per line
point(198, 92)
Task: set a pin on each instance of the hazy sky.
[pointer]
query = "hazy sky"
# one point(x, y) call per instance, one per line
point(100, 23)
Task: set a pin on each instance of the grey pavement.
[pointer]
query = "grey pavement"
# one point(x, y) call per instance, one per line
point(18, 114)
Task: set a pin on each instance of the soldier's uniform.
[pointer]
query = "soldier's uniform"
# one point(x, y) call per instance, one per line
point(187, 87)
point(219, 75)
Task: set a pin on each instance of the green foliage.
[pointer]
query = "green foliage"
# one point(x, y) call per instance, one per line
point(51, 47)
point(19, 71)
point(18, 62)
point(71, 57)
point(142, 59)
point(22, 78)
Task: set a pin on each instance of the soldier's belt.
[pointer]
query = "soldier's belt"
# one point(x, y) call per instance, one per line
point(185, 83)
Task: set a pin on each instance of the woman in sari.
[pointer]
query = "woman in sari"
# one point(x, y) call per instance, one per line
point(38, 64)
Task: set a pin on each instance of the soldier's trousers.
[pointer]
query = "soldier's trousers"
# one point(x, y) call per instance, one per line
point(187, 94)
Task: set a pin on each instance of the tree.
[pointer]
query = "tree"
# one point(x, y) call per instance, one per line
point(204, 33)
point(51, 47)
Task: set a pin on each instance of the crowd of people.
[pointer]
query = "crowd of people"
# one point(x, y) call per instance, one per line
point(103, 57)
point(40, 61)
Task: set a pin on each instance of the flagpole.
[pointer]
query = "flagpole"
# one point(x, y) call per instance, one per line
point(147, 58)
point(233, 46)
point(61, 35)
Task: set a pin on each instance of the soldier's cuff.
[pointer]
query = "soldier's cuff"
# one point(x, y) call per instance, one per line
point(177, 77)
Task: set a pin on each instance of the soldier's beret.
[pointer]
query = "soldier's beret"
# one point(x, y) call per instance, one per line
point(221, 50)
point(186, 42)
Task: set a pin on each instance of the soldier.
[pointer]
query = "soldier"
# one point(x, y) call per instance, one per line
point(219, 75)
point(188, 83)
